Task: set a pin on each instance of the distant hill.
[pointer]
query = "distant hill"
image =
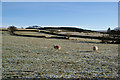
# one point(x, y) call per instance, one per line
point(67, 29)
point(64, 28)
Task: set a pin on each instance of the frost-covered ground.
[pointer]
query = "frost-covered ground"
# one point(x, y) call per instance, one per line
point(27, 57)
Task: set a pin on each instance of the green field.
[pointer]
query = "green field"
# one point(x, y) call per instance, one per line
point(29, 57)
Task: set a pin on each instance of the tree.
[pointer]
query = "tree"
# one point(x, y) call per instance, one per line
point(68, 35)
point(12, 29)
point(35, 26)
point(108, 30)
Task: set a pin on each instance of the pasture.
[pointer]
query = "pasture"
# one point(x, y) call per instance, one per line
point(30, 57)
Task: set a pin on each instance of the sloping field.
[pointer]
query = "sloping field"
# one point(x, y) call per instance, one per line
point(28, 57)
point(83, 33)
point(32, 33)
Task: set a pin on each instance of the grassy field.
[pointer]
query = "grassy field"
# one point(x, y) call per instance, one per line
point(28, 57)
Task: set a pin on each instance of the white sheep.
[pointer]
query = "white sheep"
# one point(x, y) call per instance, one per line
point(95, 48)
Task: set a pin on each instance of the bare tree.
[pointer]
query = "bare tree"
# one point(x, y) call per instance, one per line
point(68, 35)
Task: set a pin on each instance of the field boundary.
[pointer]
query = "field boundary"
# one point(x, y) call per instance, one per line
point(63, 36)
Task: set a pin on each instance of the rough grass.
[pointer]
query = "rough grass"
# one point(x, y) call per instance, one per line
point(31, 33)
point(27, 57)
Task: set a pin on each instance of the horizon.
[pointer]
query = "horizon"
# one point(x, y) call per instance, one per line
point(87, 15)
point(64, 26)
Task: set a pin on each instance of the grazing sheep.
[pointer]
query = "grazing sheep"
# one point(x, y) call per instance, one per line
point(58, 47)
point(95, 48)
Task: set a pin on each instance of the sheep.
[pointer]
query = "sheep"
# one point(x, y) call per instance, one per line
point(95, 48)
point(57, 47)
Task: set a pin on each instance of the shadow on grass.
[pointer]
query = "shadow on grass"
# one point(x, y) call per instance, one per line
point(53, 37)
point(83, 51)
point(87, 42)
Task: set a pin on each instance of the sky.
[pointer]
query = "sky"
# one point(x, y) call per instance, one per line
point(87, 15)
point(60, 0)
